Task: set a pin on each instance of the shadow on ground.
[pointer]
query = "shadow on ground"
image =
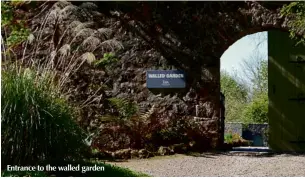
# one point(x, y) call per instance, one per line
point(246, 154)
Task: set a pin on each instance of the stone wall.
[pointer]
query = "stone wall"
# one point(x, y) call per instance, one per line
point(142, 40)
point(258, 133)
point(83, 33)
point(232, 127)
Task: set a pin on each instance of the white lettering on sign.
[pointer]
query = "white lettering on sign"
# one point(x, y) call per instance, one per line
point(156, 75)
point(174, 76)
point(167, 76)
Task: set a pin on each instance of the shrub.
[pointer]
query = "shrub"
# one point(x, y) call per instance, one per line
point(257, 110)
point(235, 140)
point(126, 127)
point(183, 130)
point(36, 123)
point(228, 138)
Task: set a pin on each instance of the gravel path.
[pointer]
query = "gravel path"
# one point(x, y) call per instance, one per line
point(212, 165)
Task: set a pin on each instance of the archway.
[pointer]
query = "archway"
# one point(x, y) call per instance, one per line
point(286, 92)
point(189, 36)
point(183, 36)
point(244, 84)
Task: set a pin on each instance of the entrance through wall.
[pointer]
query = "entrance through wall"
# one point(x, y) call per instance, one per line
point(286, 88)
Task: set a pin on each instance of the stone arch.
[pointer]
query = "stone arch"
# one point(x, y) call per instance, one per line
point(187, 35)
point(195, 37)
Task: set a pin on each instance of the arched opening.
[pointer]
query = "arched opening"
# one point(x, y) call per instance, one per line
point(244, 85)
point(275, 62)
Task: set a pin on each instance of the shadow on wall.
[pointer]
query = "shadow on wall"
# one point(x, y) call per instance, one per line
point(286, 93)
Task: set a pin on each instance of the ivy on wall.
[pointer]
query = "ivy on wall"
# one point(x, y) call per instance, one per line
point(14, 22)
point(296, 10)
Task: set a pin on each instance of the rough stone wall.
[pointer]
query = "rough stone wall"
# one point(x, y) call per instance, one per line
point(190, 37)
point(66, 33)
point(193, 36)
point(234, 128)
point(257, 131)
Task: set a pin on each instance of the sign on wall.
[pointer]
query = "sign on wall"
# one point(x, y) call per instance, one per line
point(165, 79)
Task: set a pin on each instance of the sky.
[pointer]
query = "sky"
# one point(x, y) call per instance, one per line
point(250, 46)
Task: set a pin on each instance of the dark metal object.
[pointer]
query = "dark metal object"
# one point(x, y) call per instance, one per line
point(298, 142)
point(299, 60)
point(297, 99)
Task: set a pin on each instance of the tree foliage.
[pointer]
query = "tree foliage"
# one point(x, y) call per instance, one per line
point(236, 96)
point(262, 79)
point(243, 105)
point(257, 110)
point(297, 10)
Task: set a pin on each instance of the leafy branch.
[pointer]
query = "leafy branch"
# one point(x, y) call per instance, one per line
point(296, 10)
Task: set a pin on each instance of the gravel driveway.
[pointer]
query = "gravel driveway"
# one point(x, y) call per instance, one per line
point(212, 165)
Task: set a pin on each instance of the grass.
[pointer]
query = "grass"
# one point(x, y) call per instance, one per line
point(109, 171)
point(30, 101)
point(34, 120)
point(22, 174)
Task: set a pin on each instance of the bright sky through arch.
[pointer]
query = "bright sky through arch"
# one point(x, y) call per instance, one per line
point(243, 49)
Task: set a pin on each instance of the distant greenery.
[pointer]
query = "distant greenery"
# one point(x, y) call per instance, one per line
point(235, 96)
point(233, 138)
point(257, 110)
point(228, 138)
point(260, 82)
point(242, 104)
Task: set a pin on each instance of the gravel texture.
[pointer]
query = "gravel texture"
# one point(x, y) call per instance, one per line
point(225, 164)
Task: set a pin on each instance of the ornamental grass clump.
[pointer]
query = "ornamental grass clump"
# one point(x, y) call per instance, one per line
point(37, 124)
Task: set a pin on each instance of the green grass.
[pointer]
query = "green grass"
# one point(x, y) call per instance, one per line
point(22, 174)
point(109, 171)
point(36, 123)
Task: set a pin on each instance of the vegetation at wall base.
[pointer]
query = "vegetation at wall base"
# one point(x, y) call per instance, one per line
point(5, 173)
point(35, 115)
point(235, 140)
point(36, 124)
